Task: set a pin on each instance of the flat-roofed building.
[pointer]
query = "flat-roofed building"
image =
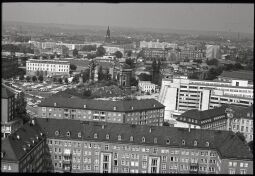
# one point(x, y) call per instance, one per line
point(146, 111)
point(36, 67)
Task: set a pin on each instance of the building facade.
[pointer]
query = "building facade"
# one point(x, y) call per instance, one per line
point(47, 67)
point(146, 111)
point(213, 52)
point(24, 150)
point(155, 53)
point(121, 148)
point(180, 95)
point(147, 86)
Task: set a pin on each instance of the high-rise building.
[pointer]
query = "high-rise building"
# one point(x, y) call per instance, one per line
point(180, 95)
point(83, 147)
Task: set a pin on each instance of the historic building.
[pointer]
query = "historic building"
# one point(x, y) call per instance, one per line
point(108, 36)
point(47, 67)
point(24, 150)
point(146, 111)
point(83, 147)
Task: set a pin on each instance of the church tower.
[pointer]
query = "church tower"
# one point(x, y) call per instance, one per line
point(108, 36)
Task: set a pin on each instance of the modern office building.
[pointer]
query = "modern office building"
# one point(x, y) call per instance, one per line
point(36, 67)
point(180, 95)
point(9, 123)
point(146, 111)
point(24, 150)
point(86, 147)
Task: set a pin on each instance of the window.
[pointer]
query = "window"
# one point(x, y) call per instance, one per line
point(183, 142)
point(79, 135)
point(231, 171)
point(119, 138)
point(155, 140)
point(230, 164)
point(95, 136)
point(207, 144)
point(107, 136)
point(195, 143)
point(56, 133)
point(68, 133)
point(164, 158)
point(243, 171)
point(131, 138)
point(143, 139)
point(168, 141)
point(106, 147)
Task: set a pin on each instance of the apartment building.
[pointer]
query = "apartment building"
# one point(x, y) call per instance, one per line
point(24, 150)
point(227, 117)
point(147, 86)
point(86, 147)
point(145, 111)
point(155, 53)
point(9, 123)
point(47, 67)
point(181, 94)
point(157, 44)
point(213, 52)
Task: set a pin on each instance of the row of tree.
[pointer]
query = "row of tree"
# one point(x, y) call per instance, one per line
point(17, 48)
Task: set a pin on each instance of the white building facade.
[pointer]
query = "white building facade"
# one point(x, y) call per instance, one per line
point(147, 86)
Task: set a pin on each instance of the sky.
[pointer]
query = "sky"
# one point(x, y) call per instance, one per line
point(202, 17)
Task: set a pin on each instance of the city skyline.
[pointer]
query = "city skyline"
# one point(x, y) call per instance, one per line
point(204, 17)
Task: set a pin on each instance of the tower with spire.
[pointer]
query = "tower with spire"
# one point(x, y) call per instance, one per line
point(108, 36)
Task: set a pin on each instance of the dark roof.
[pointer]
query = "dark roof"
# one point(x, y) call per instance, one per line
point(242, 111)
point(6, 93)
point(204, 115)
point(106, 105)
point(243, 75)
point(225, 142)
point(13, 147)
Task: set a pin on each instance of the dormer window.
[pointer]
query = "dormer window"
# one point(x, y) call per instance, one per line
point(107, 136)
point(41, 133)
point(37, 137)
point(55, 104)
point(33, 141)
point(183, 142)
point(56, 133)
point(207, 144)
point(18, 137)
point(79, 135)
point(132, 107)
point(2, 154)
point(143, 139)
point(131, 138)
point(114, 108)
point(119, 138)
point(28, 144)
point(68, 134)
point(195, 143)
point(95, 136)
point(155, 140)
point(84, 106)
point(168, 141)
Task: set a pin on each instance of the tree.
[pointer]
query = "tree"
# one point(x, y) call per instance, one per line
point(91, 56)
point(133, 81)
point(54, 79)
point(20, 110)
point(75, 52)
point(100, 51)
point(250, 144)
point(129, 53)
point(34, 78)
point(166, 124)
point(86, 93)
point(66, 80)
point(60, 80)
point(85, 75)
point(144, 77)
point(40, 78)
point(212, 62)
point(100, 73)
point(73, 67)
point(130, 62)
point(118, 54)
point(21, 77)
point(199, 61)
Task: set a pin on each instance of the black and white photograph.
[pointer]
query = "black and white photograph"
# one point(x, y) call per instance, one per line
point(135, 88)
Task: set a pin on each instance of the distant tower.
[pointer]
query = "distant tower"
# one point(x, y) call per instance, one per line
point(108, 36)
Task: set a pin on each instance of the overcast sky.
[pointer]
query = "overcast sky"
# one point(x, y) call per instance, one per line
point(209, 17)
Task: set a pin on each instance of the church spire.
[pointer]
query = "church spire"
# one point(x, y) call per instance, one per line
point(108, 35)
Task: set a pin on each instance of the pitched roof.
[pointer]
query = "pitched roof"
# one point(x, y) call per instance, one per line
point(243, 75)
point(106, 105)
point(225, 142)
point(203, 115)
point(242, 111)
point(6, 93)
point(13, 147)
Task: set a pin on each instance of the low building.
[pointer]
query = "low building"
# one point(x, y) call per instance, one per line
point(123, 148)
point(146, 111)
point(47, 67)
point(147, 86)
point(24, 150)
point(228, 76)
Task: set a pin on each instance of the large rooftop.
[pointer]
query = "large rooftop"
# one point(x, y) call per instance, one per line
point(105, 105)
point(243, 75)
point(225, 142)
point(6, 93)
